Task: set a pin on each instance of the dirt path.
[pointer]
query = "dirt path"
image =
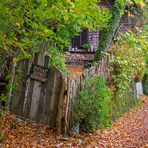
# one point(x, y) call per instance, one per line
point(130, 131)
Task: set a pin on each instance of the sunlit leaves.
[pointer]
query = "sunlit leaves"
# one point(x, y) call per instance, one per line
point(27, 24)
point(127, 63)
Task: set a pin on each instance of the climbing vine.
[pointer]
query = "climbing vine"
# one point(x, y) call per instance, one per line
point(108, 33)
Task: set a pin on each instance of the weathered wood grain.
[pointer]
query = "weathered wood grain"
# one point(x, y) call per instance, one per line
point(37, 88)
point(29, 90)
point(23, 86)
point(43, 92)
point(60, 107)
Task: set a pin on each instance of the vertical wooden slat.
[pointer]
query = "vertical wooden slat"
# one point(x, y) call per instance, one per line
point(66, 126)
point(54, 99)
point(27, 104)
point(16, 81)
point(47, 99)
point(51, 108)
point(37, 86)
point(11, 81)
point(60, 108)
point(42, 93)
point(23, 87)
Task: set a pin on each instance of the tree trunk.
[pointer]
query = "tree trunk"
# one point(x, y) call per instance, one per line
point(109, 32)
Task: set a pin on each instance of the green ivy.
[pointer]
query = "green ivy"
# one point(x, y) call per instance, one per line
point(26, 25)
point(113, 24)
point(109, 32)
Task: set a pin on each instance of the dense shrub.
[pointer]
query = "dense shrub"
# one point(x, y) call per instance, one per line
point(91, 108)
point(119, 104)
point(126, 64)
point(98, 106)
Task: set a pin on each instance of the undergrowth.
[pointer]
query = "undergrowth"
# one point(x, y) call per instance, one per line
point(90, 109)
point(99, 106)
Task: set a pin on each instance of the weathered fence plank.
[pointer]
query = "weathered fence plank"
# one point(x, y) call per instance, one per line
point(54, 99)
point(43, 92)
point(37, 88)
point(60, 108)
point(47, 99)
point(29, 90)
point(23, 87)
point(15, 93)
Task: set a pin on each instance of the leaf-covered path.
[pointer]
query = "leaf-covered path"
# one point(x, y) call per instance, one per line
point(130, 131)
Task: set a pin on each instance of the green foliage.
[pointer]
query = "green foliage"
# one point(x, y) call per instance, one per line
point(90, 109)
point(144, 12)
point(1, 136)
point(3, 98)
point(137, 41)
point(98, 106)
point(86, 46)
point(55, 55)
point(119, 104)
point(25, 25)
point(113, 24)
point(142, 42)
point(126, 64)
point(109, 32)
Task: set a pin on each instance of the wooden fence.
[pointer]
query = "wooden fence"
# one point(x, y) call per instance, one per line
point(74, 84)
point(49, 98)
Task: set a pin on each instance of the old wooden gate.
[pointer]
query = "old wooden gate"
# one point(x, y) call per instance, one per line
point(39, 92)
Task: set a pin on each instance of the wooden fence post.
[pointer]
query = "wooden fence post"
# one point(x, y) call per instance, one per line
point(37, 88)
point(60, 107)
point(43, 91)
point(13, 68)
point(29, 93)
point(54, 99)
point(19, 91)
point(23, 86)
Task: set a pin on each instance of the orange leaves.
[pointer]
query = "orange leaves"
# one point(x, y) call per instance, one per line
point(142, 5)
point(128, 131)
point(74, 70)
